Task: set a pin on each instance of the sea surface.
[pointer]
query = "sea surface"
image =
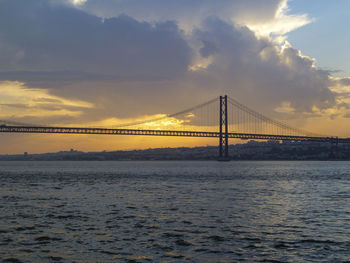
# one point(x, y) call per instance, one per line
point(175, 211)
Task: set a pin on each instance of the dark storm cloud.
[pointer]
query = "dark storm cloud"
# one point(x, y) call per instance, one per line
point(254, 70)
point(120, 61)
point(56, 76)
point(41, 40)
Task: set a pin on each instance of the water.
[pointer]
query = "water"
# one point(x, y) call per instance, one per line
point(175, 211)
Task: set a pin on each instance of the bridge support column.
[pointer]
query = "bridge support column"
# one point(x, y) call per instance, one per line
point(223, 139)
point(334, 148)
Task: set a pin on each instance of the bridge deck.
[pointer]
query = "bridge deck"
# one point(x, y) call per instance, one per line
point(101, 131)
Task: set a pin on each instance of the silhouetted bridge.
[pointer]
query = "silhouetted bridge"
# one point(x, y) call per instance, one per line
point(240, 118)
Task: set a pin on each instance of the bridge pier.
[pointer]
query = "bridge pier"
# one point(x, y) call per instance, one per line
point(223, 136)
point(334, 148)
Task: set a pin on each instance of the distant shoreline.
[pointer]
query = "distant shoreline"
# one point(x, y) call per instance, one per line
point(250, 151)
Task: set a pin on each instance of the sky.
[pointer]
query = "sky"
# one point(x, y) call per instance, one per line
point(108, 62)
point(329, 30)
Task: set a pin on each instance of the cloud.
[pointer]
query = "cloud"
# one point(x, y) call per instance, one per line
point(280, 23)
point(109, 62)
point(131, 58)
point(263, 16)
point(285, 107)
point(39, 36)
point(256, 70)
point(79, 2)
point(20, 102)
point(345, 81)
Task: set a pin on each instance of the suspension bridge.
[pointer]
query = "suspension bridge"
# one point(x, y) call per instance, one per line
point(223, 118)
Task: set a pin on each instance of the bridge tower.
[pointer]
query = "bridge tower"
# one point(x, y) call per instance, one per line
point(223, 139)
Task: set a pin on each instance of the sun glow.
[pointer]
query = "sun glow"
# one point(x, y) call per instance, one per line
point(201, 64)
point(281, 24)
point(18, 101)
point(285, 107)
point(150, 122)
point(79, 2)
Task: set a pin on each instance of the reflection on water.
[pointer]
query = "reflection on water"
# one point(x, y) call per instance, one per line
point(174, 211)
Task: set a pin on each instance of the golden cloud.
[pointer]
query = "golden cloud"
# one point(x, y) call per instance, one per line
point(18, 101)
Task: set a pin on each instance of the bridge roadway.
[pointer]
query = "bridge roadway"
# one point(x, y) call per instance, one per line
point(102, 131)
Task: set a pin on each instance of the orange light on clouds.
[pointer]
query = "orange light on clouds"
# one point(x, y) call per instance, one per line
point(18, 101)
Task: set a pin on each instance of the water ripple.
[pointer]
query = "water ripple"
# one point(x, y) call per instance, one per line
point(174, 212)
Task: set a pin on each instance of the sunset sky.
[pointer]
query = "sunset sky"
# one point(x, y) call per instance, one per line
point(106, 62)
